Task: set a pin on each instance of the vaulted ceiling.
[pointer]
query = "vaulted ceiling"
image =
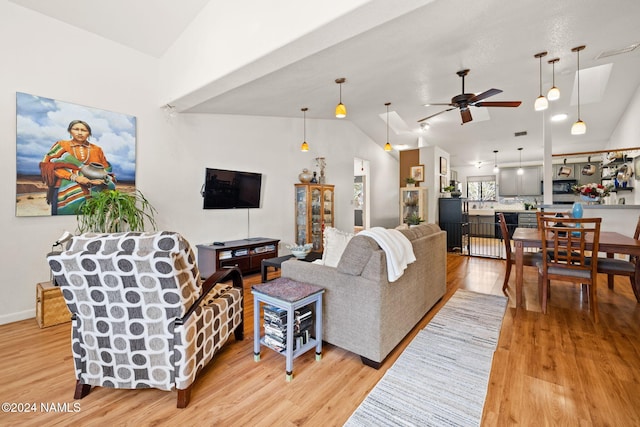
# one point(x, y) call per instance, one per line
point(412, 60)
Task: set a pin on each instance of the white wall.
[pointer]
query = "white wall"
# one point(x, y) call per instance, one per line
point(51, 59)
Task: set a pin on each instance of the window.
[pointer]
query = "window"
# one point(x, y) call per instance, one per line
point(481, 187)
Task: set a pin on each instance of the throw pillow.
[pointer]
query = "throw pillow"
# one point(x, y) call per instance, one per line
point(356, 255)
point(334, 243)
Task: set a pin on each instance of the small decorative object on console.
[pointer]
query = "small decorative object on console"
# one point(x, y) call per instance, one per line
point(300, 251)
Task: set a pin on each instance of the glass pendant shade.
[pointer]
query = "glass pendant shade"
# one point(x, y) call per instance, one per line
point(304, 147)
point(520, 171)
point(341, 110)
point(578, 128)
point(541, 103)
point(496, 169)
point(553, 94)
point(387, 146)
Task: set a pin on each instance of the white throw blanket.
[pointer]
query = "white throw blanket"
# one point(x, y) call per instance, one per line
point(397, 248)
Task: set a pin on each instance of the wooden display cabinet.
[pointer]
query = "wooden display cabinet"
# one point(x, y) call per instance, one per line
point(313, 212)
point(413, 200)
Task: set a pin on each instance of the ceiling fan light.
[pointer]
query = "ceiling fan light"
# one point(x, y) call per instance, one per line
point(553, 94)
point(541, 103)
point(579, 128)
point(387, 147)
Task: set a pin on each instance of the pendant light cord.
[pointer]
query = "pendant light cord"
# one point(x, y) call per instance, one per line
point(578, 52)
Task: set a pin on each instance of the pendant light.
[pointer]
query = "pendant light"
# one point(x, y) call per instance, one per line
point(341, 110)
point(541, 102)
point(387, 146)
point(520, 170)
point(304, 147)
point(579, 127)
point(496, 169)
point(554, 92)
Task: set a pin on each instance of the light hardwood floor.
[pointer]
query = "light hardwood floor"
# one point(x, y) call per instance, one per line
point(554, 369)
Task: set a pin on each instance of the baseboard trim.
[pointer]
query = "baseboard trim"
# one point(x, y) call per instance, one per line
point(16, 317)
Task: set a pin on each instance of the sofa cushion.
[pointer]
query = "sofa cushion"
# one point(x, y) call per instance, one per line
point(356, 255)
point(335, 241)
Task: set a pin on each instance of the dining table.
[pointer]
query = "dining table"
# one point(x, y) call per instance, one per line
point(611, 243)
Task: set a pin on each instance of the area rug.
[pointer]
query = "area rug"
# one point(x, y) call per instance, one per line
point(441, 378)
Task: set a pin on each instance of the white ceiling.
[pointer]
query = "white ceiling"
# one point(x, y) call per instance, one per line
point(412, 60)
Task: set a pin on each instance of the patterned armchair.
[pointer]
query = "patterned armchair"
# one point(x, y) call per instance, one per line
point(141, 316)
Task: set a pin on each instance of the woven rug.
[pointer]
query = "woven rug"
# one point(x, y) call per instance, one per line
point(441, 378)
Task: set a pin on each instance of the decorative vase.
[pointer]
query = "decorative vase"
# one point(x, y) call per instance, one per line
point(94, 171)
point(576, 210)
point(314, 180)
point(305, 176)
point(590, 200)
point(411, 185)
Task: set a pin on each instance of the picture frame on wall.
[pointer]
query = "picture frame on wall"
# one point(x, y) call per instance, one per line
point(417, 173)
point(443, 183)
point(443, 166)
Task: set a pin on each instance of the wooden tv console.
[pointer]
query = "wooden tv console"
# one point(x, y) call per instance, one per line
point(245, 254)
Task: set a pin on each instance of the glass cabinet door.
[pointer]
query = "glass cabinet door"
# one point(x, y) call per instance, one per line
point(316, 218)
point(301, 215)
point(413, 201)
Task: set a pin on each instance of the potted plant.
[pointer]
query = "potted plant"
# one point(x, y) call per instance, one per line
point(410, 182)
point(413, 219)
point(112, 211)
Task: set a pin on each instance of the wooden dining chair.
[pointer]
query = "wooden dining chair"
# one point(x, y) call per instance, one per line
point(619, 267)
point(529, 258)
point(566, 240)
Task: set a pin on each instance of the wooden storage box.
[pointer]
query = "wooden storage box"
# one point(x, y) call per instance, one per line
point(51, 308)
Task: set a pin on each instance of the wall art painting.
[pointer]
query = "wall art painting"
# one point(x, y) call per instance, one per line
point(65, 152)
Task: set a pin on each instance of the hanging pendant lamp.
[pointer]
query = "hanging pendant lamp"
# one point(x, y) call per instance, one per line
point(341, 110)
point(304, 147)
point(496, 169)
point(520, 171)
point(554, 92)
point(579, 127)
point(541, 102)
point(387, 146)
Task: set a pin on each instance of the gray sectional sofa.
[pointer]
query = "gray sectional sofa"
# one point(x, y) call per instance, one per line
point(362, 311)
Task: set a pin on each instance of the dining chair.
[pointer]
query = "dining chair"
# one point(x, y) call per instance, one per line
point(620, 267)
point(529, 258)
point(566, 241)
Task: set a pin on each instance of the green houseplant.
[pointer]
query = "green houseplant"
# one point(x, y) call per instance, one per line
point(112, 211)
point(413, 219)
point(410, 181)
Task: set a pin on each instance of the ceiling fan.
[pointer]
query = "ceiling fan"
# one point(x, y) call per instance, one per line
point(465, 100)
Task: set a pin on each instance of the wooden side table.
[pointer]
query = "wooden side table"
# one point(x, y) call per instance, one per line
point(288, 295)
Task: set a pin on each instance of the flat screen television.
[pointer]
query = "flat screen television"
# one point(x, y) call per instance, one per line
point(227, 189)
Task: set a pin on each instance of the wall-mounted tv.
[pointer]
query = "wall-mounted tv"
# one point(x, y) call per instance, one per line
point(227, 189)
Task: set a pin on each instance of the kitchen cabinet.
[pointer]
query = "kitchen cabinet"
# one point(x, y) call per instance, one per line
point(453, 217)
point(527, 184)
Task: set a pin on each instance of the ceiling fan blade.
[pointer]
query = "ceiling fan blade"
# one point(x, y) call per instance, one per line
point(436, 114)
point(484, 95)
point(466, 115)
point(498, 104)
